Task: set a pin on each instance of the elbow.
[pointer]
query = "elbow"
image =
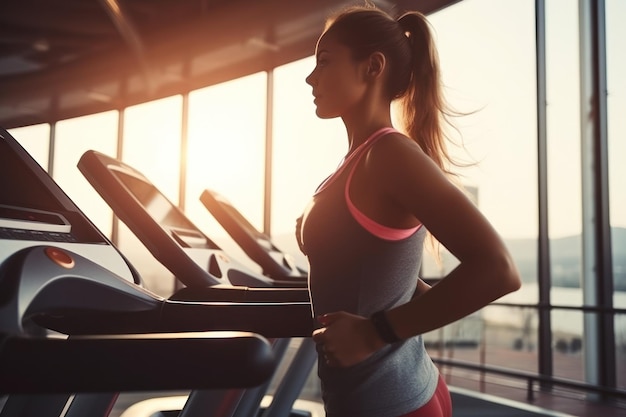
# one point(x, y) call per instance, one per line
point(507, 274)
point(497, 273)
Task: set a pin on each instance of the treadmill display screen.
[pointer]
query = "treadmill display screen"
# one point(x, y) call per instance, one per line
point(20, 187)
point(155, 203)
point(241, 220)
point(32, 205)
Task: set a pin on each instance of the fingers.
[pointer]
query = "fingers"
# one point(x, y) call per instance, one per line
point(321, 341)
point(318, 334)
point(329, 318)
point(327, 354)
point(324, 349)
point(338, 342)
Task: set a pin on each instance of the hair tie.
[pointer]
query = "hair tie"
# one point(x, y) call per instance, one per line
point(405, 25)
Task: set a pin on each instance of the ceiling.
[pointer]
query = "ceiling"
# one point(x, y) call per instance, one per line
point(66, 58)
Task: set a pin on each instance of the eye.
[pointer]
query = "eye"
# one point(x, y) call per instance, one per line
point(322, 60)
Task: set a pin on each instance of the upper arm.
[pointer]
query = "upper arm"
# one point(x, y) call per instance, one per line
point(415, 183)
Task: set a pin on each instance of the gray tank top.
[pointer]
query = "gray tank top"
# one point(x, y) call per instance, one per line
point(352, 270)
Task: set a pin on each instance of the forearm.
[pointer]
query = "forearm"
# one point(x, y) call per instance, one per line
point(465, 290)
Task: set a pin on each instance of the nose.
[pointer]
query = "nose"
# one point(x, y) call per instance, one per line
point(310, 80)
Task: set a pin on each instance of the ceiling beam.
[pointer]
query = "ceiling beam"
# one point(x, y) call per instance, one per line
point(233, 39)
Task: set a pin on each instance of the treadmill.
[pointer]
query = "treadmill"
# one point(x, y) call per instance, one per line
point(280, 266)
point(72, 307)
point(275, 263)
point(197, 262)
point(176, 242)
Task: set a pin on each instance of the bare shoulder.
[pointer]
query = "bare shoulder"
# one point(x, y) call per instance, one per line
point(397, 156)
point(395, 142)
point(398, 168)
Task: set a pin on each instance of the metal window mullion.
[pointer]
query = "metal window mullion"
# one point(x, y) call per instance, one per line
point(51, 146)
point(607, 357)
point(121, 117)
point(52, 135)
point(184, 141)
point(543, 252)
point(606, 363)
point(184, 149)
point(269, 141)
point(183, 160)
point(596, 267)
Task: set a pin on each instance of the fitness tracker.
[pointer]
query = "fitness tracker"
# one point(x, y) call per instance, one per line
point(383, 328)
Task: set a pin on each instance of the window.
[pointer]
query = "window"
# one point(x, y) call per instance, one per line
point(73, 137)
point(36, 140)
point(489, 71)
point(306, 150)
point(151, 144)
point(226, 154)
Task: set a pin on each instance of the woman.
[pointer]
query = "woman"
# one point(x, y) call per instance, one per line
point(364, 231)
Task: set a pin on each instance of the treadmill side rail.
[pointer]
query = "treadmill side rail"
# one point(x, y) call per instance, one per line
point(111, 363)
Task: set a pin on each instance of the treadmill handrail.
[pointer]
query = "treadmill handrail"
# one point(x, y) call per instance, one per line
point(271, 320)
point(112, 363)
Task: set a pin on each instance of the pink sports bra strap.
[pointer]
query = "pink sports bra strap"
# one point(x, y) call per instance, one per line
point(377, 229)
point(360, 149)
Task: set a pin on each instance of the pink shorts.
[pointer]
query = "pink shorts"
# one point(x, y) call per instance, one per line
point(440, 405)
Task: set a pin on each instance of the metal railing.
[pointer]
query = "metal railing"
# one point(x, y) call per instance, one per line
point(532, 379)
point(537, 379)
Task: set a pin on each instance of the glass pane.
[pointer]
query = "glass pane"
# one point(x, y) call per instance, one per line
point(620, 349)
point(151, 144)
point(500, 135)
point(498, 336)
point(306, 150)
point(567, 344)
point(564, 159)
point(616, 83)
point(74, 137)
point(36, 140)
point(227, 154)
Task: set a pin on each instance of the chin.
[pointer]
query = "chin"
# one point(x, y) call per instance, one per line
point(325, 115)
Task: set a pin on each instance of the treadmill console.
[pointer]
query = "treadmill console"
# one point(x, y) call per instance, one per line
point(163, 228)
point(257, 245)
point(34, 210)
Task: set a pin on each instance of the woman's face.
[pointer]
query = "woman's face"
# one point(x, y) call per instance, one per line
point(338, 85)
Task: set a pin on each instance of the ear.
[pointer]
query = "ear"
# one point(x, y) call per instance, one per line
point(376, 64)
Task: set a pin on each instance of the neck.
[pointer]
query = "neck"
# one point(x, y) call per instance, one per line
point(365, 120)
point(359, 134)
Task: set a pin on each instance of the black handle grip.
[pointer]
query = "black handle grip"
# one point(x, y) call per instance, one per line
point(113, 363)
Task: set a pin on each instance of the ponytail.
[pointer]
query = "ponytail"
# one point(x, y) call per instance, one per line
point(423, 107)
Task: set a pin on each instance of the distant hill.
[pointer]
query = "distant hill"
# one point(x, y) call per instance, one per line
point(566, 259)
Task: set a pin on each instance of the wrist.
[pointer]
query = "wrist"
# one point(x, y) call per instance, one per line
point(383, 328)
